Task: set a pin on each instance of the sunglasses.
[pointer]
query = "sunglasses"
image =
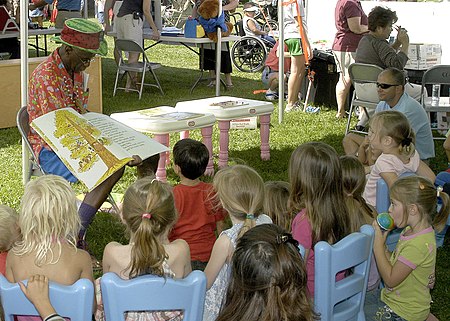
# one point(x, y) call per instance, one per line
point(385, 86)
point(84, 61)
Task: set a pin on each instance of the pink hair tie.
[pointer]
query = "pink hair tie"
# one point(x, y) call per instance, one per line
point(147, 215)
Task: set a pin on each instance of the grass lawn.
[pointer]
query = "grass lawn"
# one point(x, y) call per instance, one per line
point(179, 71)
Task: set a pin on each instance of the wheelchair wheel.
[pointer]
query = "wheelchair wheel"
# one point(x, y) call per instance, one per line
point(270, 25)
point(249, 54)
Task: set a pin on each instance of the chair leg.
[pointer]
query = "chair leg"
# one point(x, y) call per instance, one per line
point(142, 83)
point(157, 81)
point(115, 83)
point(350, 112)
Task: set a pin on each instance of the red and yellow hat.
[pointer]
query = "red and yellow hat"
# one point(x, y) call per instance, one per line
point(83, 34)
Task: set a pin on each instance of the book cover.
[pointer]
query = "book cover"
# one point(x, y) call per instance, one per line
point(93, 146)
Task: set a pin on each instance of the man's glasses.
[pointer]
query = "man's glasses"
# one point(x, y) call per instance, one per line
point(385, 86)
point(84, 61)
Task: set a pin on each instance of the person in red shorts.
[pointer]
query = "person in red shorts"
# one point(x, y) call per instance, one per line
point(199, 215)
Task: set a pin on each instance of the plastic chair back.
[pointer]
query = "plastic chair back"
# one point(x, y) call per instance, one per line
point(70, 301)
point(153, 293)
point(344, 299)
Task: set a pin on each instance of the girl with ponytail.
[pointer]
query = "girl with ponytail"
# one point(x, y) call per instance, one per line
point(240, 190)
point(148, 213)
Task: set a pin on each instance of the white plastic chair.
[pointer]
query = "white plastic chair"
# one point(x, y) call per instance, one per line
point(141, 66)
point(361, 74)
point(71, 301)
point(153, 293)
point(343, 300)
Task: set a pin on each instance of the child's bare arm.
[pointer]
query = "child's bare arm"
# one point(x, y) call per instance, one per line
point(391, 275)
point(389, 178)
point(219, 255)
point(426, 172)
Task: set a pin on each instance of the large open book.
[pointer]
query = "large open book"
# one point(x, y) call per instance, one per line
point(93, 146)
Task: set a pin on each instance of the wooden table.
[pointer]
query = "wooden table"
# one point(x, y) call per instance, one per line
point(243, 108)
point(161, 121)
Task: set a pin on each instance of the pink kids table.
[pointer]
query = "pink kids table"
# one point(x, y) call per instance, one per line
point(225, 109)
point(161, 121)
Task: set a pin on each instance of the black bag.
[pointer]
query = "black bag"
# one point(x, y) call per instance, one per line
point(325, 79)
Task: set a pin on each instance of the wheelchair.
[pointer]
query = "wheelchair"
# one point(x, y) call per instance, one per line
point(249, 53)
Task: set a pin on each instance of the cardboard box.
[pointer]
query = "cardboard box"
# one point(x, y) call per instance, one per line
point(423, 56)
point(244, 123)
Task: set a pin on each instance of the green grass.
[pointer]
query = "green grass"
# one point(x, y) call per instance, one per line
point(179, 71)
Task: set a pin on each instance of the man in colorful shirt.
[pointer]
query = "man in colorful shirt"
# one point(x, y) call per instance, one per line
point(59, 82)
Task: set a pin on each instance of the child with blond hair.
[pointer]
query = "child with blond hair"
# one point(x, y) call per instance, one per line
point(9, 233)
point(49, 225)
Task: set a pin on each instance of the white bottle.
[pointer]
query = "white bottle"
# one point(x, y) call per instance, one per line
point(436, 92)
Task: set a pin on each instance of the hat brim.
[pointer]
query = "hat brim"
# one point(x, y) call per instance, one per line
point(251, 9)
point(102, 50)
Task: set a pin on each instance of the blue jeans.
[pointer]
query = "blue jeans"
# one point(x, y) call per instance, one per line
point(52, 164)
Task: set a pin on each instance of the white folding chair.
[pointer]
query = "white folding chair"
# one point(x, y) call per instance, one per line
point(362, 75)
point(141, 66)
point(71, 301)
point(436, 75)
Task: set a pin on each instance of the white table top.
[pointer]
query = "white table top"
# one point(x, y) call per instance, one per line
point(164, 120)
point(233, 108)
point(31, 32)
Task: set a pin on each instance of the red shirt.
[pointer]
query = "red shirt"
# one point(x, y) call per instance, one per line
point(197, 219)
point(272, 59)
point(51, 87)
point(346, 40)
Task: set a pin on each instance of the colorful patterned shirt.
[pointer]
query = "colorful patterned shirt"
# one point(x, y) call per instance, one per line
point(51, 87)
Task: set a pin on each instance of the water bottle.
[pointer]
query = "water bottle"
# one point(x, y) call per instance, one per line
point(436, 93)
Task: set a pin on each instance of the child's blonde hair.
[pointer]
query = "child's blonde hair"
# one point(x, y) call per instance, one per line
point(149, 212)
point(422, 193)
point(354, 181)
point(276, 200)
point(240, 190)
point(8, 222)
point(316, 185)
point(48, 217)
point(394, 124)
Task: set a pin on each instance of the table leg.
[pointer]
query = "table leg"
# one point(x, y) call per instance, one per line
point(264, 121)
point(161, 171)
point(207, 140)
point(184, 134)
point(202, 57)
point(37, 46)
point(224, 127)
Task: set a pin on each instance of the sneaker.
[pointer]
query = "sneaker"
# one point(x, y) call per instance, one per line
point(271, 95)
point(312, 109)
point(294, 107)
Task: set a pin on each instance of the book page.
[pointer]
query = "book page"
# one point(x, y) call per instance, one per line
point(87, 151)
point(133, 142)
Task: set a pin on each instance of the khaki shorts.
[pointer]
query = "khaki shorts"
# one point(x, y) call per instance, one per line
point(129, 28)
point(64, 15)
point(343, 60)
point(294, 46)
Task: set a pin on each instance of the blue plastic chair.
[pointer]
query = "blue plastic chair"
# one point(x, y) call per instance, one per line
point(153, 293)
point(383, 202)
point(344, 299)
point(71, 301)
